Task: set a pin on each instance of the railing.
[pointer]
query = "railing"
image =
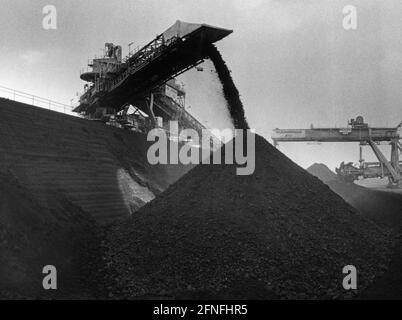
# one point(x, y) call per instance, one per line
point(132, 52)
point(36, 101)
point(139, 57)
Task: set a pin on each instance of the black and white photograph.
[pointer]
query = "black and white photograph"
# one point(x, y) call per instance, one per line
point(199, 155)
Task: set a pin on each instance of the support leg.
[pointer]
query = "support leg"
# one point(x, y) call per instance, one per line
point(394, 176)
point(395, 159)
point(151, 109)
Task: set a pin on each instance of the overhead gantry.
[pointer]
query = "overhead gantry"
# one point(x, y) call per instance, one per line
point(356, 131)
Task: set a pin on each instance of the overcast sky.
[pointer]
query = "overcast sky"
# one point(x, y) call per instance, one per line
point(292, 61)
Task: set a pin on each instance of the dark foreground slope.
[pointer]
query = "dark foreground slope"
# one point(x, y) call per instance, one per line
point(57, 173)
point(277, 233)
point(101, 169)
point(33, 236)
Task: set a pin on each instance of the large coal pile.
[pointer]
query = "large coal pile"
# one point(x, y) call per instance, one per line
point(230, 91)
point(103, 170)
point(278, 233)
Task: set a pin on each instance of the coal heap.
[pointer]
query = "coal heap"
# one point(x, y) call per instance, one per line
point(278, 233)
point(102, 169)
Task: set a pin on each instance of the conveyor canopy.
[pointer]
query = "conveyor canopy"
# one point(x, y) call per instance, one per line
point(179, 48)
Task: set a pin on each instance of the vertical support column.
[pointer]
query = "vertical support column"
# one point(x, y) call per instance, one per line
point(151, 109)
point(394, 175)
point(395, 158)
point(361, 160)
point(395, 155)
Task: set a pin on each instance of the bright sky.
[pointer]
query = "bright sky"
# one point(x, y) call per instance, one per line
point(292, 61)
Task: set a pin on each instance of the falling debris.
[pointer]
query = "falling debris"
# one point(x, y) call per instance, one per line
point(230, 91)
